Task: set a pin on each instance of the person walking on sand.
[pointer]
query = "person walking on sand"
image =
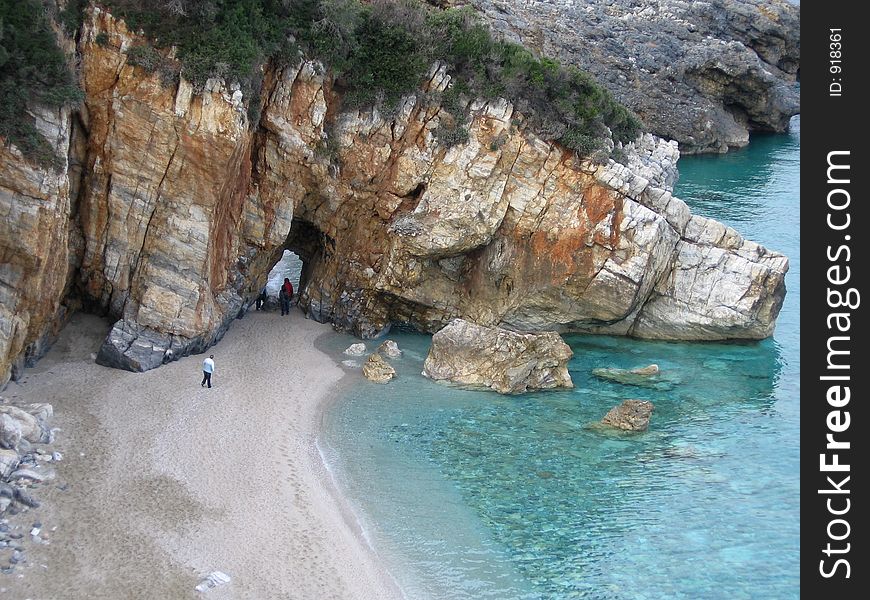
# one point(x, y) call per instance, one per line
point(207, 370)
point(285, 296)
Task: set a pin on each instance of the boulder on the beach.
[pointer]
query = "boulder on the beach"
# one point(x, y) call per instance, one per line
point(641, 376)
point(631, 415)
point(498, 359)
point(390, 349)
point(8, 462)
point(377, 369)
point(355, 350)
point(28, 427)
point(10, 432)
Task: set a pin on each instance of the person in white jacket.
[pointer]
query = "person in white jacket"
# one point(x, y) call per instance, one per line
point(207, 370)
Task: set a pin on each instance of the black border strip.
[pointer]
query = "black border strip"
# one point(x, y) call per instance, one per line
point(833, 121)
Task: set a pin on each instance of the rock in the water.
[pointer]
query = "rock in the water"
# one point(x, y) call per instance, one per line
point(498, 359)
point(355, 350)
point(390, 349)
point(631, 415)
point(377, 369)
point(642, 376)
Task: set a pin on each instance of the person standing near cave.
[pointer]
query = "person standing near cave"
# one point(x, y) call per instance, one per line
point(261, 300)
point(207, 370)
point(285, 296)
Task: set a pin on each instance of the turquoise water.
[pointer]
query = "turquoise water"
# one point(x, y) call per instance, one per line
point(475, 495)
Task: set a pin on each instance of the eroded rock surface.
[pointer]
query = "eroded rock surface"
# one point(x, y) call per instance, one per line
point(702, 73)
point(376, 369)
point(631, 415)
point(497, 359)
point(171, 208)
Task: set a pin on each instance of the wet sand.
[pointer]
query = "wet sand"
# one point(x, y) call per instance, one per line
point(167, 481)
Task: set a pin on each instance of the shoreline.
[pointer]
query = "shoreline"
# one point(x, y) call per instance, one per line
point(163, 481)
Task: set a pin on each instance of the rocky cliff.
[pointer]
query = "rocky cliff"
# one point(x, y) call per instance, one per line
point(702, 73)
point(171, 209)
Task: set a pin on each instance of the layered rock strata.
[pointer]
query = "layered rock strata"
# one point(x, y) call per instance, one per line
point(702, 73)
point(497, 359)
point(171, 209)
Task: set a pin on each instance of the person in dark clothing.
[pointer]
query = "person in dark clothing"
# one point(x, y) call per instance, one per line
point(285, 296)
point(261, 299)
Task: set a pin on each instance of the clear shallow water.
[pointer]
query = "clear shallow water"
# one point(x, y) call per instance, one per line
point(476, 495)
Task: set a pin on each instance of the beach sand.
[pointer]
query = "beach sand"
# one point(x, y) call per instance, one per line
point(168, 481)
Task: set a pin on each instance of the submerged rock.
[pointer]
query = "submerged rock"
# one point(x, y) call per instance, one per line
point(631, 415)
point(642, 376)
point(498, 359)
point(377, 369)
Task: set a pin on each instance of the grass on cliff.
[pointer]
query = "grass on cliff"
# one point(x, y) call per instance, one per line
point(378, 51)
point(33, 70)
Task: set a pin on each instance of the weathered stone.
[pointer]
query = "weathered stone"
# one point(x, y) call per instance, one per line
point(702, 73)
point(8, 462)
point(355, 350)
point(631, 415)
point(642, 376)
point(14, 419)
point(182, 209)
point(377, 369)
point(10, 432)
point(43, 411)
point(35, 475)
point(390, 349)
point(26, 499)
point(505, 361)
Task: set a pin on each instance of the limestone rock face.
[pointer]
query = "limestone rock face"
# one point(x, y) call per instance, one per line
point(38, 245)
point(164, 204)
point(171, 208)
point(376, 369)
point(501, 360)
point(631, 415)
point(702, 73)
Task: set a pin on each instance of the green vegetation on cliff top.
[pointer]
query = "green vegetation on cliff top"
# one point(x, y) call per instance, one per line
point(33, 70)
point(377, 51)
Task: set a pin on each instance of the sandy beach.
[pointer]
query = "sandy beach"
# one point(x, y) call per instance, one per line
point(166, 481)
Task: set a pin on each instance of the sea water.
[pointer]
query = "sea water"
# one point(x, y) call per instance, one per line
point(469, 494)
